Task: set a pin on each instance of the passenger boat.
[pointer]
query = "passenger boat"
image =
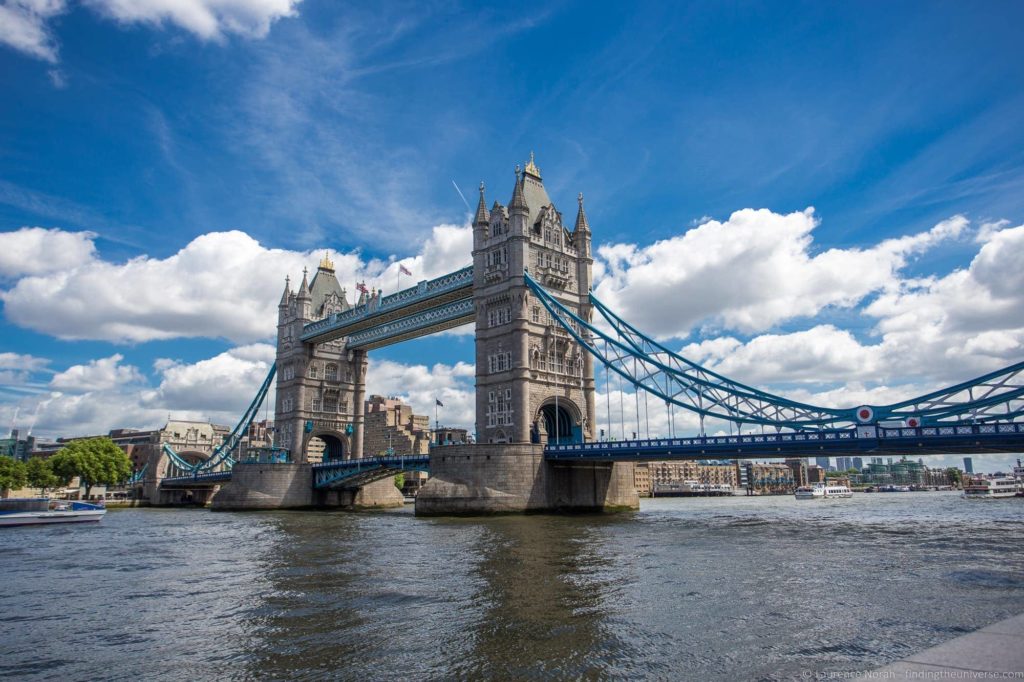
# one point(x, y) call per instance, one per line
point(691, 489)
point(820, 491)
point(34, 511)
point(991, 488)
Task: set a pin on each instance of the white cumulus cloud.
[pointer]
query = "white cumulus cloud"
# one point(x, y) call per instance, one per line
point(220, 285)
point(96, 375)
point(749, 273)
point(37, 250)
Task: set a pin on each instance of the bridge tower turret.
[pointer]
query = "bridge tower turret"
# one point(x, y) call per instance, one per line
point(320, 387)
point(534, 383)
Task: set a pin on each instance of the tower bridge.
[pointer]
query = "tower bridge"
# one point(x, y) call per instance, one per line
point(528, 293)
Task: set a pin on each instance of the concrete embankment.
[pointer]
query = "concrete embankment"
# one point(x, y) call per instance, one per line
point(993, 652)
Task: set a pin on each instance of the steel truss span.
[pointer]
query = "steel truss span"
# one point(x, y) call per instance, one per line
point(352, 473)
point(223, 454)
point(650, 366)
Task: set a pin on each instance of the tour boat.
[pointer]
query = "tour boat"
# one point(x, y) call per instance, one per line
point(33, 511)
point(991, 488)
point(820, 491)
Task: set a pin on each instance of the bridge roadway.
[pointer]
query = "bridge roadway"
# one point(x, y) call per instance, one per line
point(862, 440)
point(1004, 437)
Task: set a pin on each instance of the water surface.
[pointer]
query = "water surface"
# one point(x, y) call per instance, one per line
point(722, 588)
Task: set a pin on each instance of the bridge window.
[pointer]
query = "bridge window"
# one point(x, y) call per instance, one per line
point(330, 404)
point(286, 405)
point(499, 362)
point(315, 403)
point(331, 372)
point(314, 370)
point(499, 408)
point(348, 375)
point(499, 316)
point(288, 373)
point(343, 406)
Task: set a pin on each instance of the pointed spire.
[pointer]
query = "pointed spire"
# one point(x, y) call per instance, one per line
point(581, 216)
point(531, 168)
point(287, 290)
point(304, 287)
point(482, 216)
point(518, 202)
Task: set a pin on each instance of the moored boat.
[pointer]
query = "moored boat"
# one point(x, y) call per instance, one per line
point(821, 491)
point(991, 488)
point(35, 511)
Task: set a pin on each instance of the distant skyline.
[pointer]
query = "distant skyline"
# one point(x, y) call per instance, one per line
point(825, 201)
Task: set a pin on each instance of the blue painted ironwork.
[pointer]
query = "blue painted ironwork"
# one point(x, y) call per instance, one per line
point(356, 472)
point(197, 480)
point(335, 325)
point(674, 379)
point(924, 440)
point(223, 454)
point(138, 476)
point(443, 316)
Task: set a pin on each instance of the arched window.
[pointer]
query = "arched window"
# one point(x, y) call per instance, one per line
point(331, 372)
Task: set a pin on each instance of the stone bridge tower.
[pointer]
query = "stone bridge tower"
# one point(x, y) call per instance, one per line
point(534, 383)
point(320, 387)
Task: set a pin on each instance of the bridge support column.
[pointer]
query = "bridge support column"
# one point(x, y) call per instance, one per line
point(377, 495)
point(267, 486)
point(496, 479)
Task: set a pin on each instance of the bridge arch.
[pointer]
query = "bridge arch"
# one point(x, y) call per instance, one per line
point(558, 420)
point(165, 467)
point(333, 445)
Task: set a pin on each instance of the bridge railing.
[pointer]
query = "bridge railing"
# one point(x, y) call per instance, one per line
point(986, 429)
point(699, 441)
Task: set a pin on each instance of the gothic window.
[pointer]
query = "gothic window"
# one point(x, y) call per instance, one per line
point(315, 403)
point(330, 404)
point(331, 372)
point(314, 370)
point(343, 406)
point(348, 375)
point(289, 373)
point(535, 313)
point(499, 362)
point(286, 405)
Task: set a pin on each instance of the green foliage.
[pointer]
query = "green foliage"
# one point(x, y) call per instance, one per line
point(40, 474)
point(399, 481)
point(97, 461)
point(955, 478)
point(12, 474)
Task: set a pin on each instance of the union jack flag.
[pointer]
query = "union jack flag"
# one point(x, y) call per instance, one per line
point(402, 269)
point(362, 287)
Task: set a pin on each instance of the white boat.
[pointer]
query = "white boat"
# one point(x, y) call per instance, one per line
point(35, 511)
point(821, 491)
point(691, 489)
point(991, 488)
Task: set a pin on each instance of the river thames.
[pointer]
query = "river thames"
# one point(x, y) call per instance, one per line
point(728, 588)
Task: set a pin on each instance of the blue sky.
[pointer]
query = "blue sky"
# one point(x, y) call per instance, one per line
point(129, 130)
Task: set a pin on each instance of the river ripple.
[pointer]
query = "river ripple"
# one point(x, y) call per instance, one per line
point(735, 588)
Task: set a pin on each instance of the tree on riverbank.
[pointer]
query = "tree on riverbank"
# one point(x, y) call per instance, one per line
point(96, 461)
point(40, 474)
point(12, 474)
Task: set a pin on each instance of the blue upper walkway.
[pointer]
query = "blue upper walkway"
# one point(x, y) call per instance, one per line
point(429, 307)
